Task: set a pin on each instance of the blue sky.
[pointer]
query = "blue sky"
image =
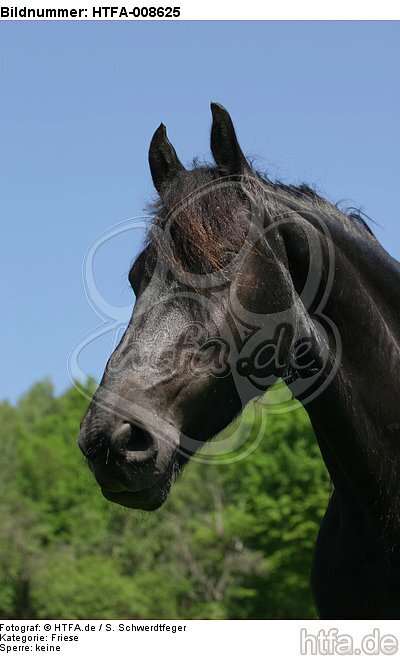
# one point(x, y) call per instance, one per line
point(313, 101)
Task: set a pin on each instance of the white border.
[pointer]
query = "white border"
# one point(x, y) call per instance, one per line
point(222, 10)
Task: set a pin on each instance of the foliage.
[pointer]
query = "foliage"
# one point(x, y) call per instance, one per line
point(234, 539)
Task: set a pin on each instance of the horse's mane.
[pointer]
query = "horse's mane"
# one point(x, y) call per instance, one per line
point(206, 215)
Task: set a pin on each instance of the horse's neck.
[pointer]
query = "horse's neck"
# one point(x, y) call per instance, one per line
point(357, 417)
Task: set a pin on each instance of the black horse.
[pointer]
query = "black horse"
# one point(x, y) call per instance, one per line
point(243, 281)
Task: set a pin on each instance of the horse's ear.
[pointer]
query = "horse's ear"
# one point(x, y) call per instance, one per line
point(224, 144)
point(163, 160)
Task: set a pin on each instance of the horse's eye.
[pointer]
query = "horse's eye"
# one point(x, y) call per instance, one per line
point(134, 277)
point(138, 272)
point(133, 282)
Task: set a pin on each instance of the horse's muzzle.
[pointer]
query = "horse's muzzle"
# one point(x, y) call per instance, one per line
point(122, 459)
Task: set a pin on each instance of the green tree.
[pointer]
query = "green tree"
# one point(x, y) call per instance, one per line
point(234, 539)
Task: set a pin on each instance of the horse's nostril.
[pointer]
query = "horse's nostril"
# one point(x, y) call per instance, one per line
point(134, 441)
point(140, 440)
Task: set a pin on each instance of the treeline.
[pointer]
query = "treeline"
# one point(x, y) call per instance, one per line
point(234, 540)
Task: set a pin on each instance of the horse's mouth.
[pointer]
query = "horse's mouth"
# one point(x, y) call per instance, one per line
point(149, 498)
point(139, 500)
